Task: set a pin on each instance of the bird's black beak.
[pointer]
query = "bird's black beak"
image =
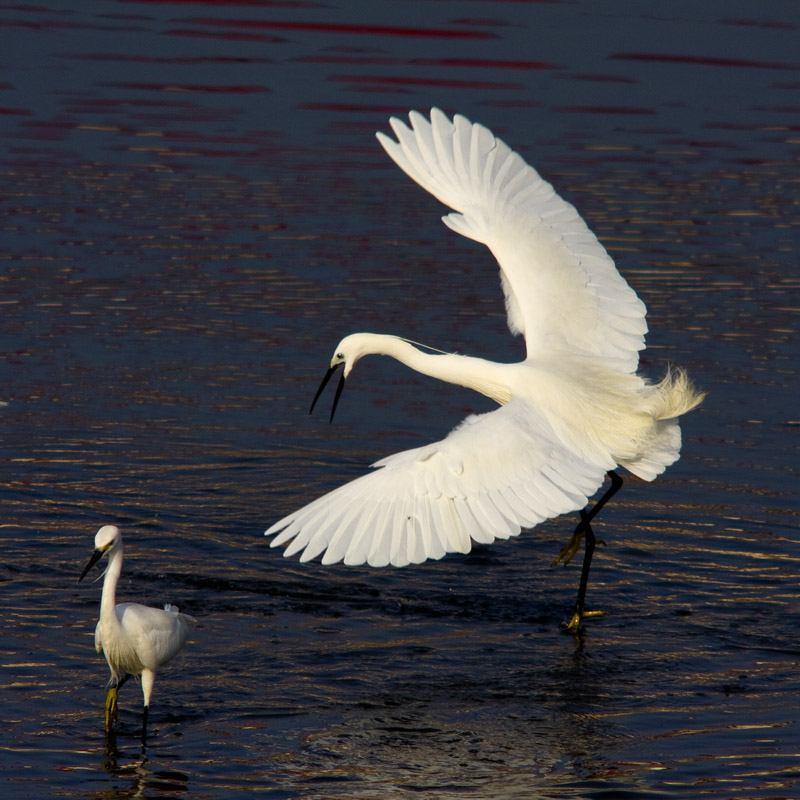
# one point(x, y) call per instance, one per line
point(96, 556)
point(324, 383)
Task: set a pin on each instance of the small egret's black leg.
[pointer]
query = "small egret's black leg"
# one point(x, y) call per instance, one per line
point(144, 726)
point(584, 531)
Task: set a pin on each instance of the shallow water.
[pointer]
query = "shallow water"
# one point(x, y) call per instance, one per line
point(195, 211)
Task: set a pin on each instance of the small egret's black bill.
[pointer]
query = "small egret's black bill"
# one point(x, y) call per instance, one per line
point(96, 556)
point(337, 396)
point(324, 383)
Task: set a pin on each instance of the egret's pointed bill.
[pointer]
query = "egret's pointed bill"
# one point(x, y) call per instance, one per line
point(96, 556)
point(324, 383)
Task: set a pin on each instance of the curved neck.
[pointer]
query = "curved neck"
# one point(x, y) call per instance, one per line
point(108, 600)
point(477, 374)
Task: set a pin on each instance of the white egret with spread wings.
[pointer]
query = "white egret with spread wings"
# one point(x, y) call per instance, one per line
point(571, 412)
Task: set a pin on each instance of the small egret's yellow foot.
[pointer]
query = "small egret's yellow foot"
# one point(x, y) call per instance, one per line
point(574, 544)
point(111, 707)
point(578, 617)
point(570, 548)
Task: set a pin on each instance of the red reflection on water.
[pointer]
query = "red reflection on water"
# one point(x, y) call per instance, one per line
point(341, 27)
point(100, 104)
point(327, 58)
point(482, 62)
point(257, 3)
point(706, 61)
point(400, 80)
point(235, 36)
point(372, 109)
point(180, 60)
point(605, 110)
point(183, 87)
point(596, 77)
point(36, 25)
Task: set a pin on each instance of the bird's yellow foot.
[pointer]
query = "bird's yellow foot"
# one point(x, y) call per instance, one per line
point(578, 617)
point(570, 548)
point(111, 707)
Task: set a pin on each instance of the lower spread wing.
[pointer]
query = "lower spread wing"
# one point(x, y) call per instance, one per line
point(493, 475)
point(563, 292)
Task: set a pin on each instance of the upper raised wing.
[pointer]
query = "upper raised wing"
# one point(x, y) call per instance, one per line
point(562, 290)
point(492, 475)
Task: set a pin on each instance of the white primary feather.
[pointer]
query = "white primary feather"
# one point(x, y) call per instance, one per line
point(563, 292)
point(492, 475)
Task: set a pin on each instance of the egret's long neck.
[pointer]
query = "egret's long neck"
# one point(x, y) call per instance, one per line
point(108, 600)
point(474, 373)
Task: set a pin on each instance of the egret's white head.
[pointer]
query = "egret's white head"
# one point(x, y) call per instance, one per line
point(345, 356)
point(350, 349)
point(107, 538)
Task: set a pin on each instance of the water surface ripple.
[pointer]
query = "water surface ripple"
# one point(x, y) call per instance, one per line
point(195, 210)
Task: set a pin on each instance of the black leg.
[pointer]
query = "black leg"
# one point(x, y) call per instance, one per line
point(584, 530)
point(144, 726)
point(616, 485)
point(590, 542)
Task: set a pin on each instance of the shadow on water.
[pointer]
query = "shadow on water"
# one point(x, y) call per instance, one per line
point(195, 210)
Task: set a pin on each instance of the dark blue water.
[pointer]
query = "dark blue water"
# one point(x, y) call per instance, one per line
point(195, 211)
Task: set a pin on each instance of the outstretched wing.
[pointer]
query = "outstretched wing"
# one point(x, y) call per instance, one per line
point(562, 290)
point(491, 476)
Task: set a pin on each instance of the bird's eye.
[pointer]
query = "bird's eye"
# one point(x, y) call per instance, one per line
point(340, 356)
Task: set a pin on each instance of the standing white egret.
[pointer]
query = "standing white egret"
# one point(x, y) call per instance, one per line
point(569, 413)
point(135, 639)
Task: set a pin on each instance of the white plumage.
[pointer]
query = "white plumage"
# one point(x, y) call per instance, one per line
point(135, 639)
point(569, 413)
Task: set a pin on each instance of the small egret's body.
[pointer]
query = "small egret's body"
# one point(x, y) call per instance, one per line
point(569, 413)
point(135, 639)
